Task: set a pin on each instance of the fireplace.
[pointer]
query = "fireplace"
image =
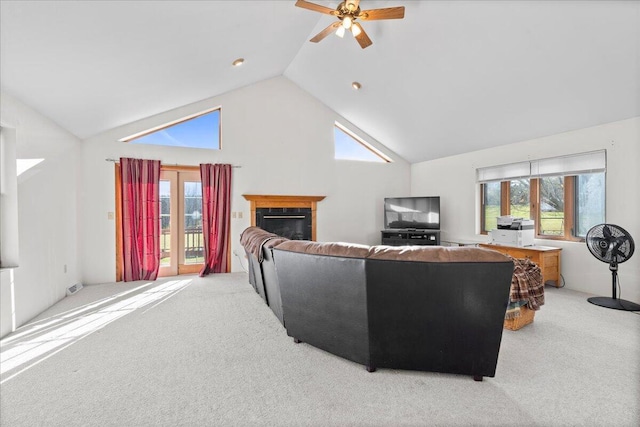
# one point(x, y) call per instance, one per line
point(293, 217)
point(292, 223)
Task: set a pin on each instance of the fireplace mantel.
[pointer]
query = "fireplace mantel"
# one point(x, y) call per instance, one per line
point(280, 201)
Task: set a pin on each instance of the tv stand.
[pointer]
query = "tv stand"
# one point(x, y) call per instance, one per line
point(411, 237)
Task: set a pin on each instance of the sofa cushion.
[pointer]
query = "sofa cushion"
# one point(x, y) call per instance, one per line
point(435, 254)
point(339, 249)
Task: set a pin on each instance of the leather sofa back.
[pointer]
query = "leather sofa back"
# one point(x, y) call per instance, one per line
point(257, 244)
point(437, 316)
point(455, 254)
point(324, 300)
point(436, 309)
point(339, 249)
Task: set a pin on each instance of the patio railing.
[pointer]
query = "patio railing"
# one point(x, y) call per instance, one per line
point(193, 244)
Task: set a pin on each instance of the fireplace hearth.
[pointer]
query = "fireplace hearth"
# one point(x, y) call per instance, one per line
point(293, 217)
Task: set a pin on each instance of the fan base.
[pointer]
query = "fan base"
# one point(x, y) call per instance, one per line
point(615, 303)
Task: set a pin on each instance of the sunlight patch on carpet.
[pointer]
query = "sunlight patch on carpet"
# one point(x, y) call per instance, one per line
point(40, 340)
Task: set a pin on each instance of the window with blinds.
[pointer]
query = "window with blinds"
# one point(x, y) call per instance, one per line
point(565, 195)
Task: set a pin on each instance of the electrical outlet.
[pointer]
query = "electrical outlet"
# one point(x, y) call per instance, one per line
point(239, 214)
point(110, 215)
point(234, 214)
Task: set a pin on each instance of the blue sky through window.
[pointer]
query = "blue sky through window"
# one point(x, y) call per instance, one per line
point(200, 132)
point(349, 148)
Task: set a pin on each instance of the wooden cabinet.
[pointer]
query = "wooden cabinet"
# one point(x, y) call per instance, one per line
point(547, 258)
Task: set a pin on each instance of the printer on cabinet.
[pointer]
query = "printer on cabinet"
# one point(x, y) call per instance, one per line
point(513, 231)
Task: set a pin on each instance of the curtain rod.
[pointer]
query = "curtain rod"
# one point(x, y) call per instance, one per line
point(167, 164)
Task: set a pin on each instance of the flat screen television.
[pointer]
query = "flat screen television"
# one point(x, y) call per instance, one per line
point(412, 213)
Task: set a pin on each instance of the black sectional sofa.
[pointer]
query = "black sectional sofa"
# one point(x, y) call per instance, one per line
point(258, 245)
point(436, 309)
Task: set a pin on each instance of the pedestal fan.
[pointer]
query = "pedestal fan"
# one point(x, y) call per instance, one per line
point(611, 244)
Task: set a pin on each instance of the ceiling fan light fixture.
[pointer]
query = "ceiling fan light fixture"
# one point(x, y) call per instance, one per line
point(356, 85)
point(347, 13)
point(238, 62)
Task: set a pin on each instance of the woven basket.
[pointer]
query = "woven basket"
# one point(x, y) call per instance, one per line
point(526, 317)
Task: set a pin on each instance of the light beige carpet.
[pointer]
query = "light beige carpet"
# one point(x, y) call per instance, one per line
point(193, 351)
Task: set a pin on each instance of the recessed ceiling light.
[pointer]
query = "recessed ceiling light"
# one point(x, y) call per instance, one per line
point(356, 85)
point(238, 62)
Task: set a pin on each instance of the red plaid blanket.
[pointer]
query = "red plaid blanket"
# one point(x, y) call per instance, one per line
point(527, 287)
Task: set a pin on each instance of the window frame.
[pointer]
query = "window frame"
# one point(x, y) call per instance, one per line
point(177, 176)
point(570, 197)
point(138, 135)
point(363, 143)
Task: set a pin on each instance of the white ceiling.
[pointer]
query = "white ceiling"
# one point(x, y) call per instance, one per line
point(452, 77)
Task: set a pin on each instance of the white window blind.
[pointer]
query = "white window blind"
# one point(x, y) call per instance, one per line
point(504, 172)
point(574, 164)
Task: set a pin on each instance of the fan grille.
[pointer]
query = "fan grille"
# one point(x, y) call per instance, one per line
point(610, 243)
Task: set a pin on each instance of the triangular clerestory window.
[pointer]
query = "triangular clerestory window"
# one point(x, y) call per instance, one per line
point(349, 147)
point(200, 130)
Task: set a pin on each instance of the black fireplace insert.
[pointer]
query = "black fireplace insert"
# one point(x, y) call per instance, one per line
point(292, 223)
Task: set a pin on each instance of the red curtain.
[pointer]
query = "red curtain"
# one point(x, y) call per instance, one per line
point(216, 215)
point(140, 218)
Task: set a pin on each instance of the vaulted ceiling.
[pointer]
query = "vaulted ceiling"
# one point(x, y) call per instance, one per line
point(451, 77)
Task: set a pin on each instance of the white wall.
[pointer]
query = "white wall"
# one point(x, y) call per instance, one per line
point(47, 215)
point(9, 244)
point(453, 178)
point(282, 138)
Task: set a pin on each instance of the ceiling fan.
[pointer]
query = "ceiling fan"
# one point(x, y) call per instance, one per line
point(347, 12)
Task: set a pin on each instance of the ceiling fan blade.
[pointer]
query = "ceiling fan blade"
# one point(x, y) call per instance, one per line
point(386, 13)
point(315, 7)
point(324, 33)
point(363, 39)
